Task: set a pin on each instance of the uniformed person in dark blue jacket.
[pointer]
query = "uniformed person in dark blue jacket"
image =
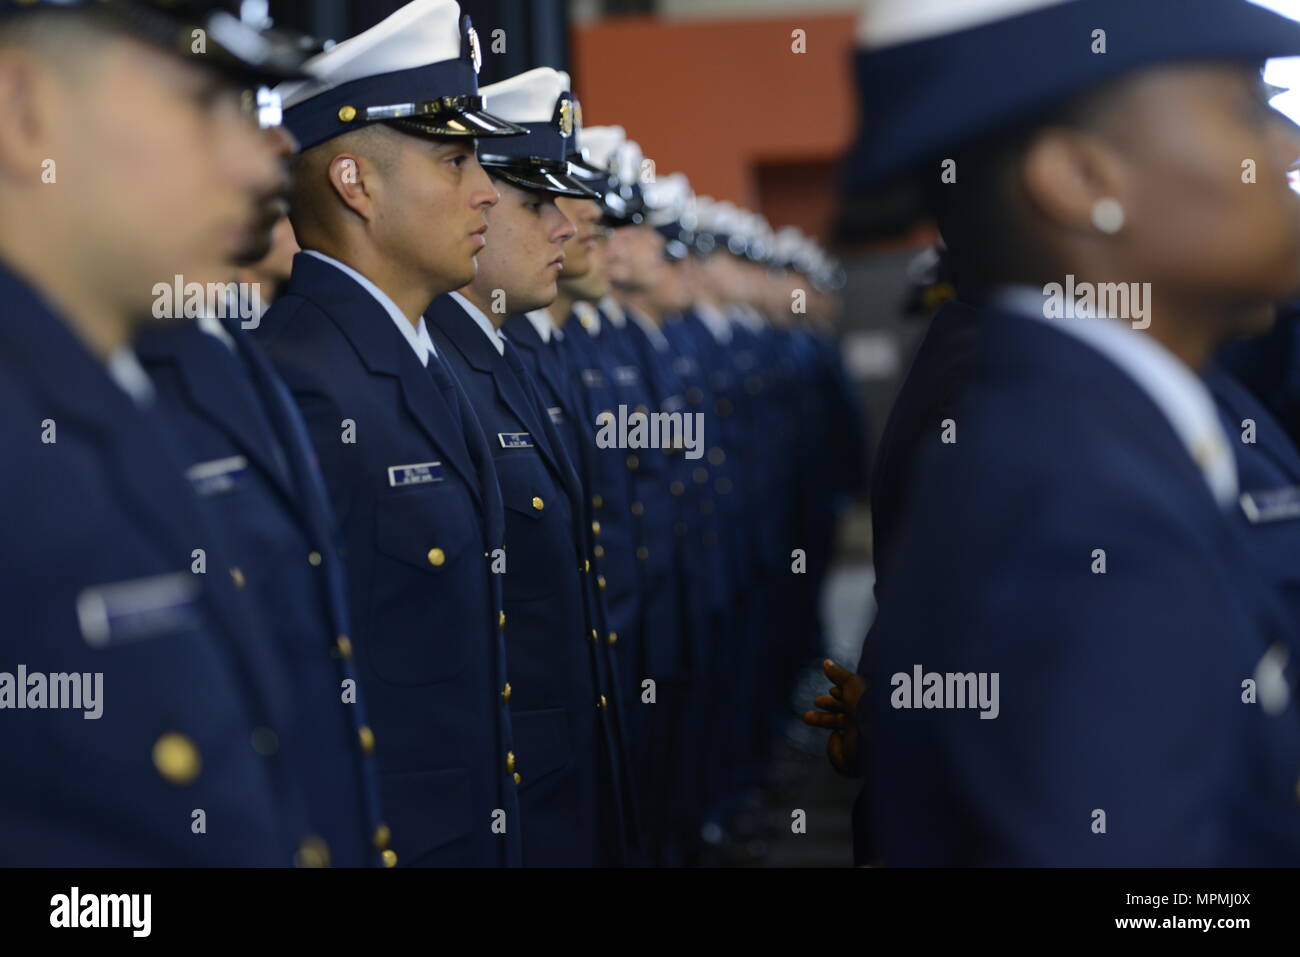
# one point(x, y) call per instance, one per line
point(1062, 518)
point(117, 609)
point(562, 713)
point(388, 203)
point(693, 460)
point(540, 340)
point(1267, 511)
point(247, 455)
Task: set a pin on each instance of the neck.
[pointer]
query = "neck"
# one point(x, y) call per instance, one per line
point(102, 326)
point(1200, 331)
point(1190, 324)
point(411, 291)
point(641, 302)
point(484, 304)
point(561, 309)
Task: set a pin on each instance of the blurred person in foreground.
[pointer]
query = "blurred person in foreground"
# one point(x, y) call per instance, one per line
point(113, 125)
point(1070, 623)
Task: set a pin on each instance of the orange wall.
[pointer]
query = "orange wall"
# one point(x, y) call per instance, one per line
point(716, 99)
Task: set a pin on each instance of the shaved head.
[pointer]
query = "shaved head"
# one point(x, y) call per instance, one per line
point(314, 209)
point(68, 41)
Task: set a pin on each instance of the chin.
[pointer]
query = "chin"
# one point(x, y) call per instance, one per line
point(537, 299)
point(458, 280)
point(253, 253)
point(574, 268)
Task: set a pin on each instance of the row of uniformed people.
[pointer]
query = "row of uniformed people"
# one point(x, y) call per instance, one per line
point(1081, 502)
point(454, 496)
point(631, 659)
point(693, 554)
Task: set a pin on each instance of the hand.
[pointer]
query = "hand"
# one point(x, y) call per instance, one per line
point(836, 712)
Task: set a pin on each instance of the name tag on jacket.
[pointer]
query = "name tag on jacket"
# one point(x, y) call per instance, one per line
point(421, 473)
point(121, 612)
point(515, 440)
point(217, 476)
point(1271, 505)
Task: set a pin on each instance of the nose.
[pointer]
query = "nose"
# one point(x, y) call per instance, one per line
point(483, 195)
point(563, 230)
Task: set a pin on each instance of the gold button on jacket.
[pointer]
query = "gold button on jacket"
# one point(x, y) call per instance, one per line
point(312, 852)
point(176, 758)
point(367, 739)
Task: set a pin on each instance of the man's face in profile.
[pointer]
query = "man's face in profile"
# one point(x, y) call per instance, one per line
point(160, 170)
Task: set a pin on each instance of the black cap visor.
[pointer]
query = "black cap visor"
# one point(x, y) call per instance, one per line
point(446, 116)
point(247, 54)
point(553, 179)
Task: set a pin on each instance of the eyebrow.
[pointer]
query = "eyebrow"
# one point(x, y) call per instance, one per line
point(468, 144)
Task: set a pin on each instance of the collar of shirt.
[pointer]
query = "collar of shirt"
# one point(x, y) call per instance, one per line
point(1176, 390)
point(214, 328)
point(611, 308)
point(750, 317)
point(588, 317)
point(653, 332)
point(494, 336)
point(715, 320)
point(417, 335)
point(124, 368)
point(542, 322)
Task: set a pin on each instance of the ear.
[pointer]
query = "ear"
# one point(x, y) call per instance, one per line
point(1064, 172)
point(356, 181)
point(25, 136)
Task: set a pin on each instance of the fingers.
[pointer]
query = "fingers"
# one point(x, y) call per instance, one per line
point(828, 702)
point(820, 719)
point(837, 674)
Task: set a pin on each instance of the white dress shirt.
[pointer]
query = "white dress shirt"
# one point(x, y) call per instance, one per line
point(588, 317)
point(541, 321)
point(715, 320)
point(653, 332)
point(483, 322)
point(1176, 390)
point(610, 305)
point(417, 335)
point(124, 368)
point(213, 327)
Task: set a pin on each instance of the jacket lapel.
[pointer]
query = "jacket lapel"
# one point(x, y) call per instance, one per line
point(1240, 404)
point(548, 359)
point(384, 351)
point(135, 441)
point(460, 330)
point(203, 366)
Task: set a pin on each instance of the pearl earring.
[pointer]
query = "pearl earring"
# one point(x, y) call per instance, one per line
point(1108, 216)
